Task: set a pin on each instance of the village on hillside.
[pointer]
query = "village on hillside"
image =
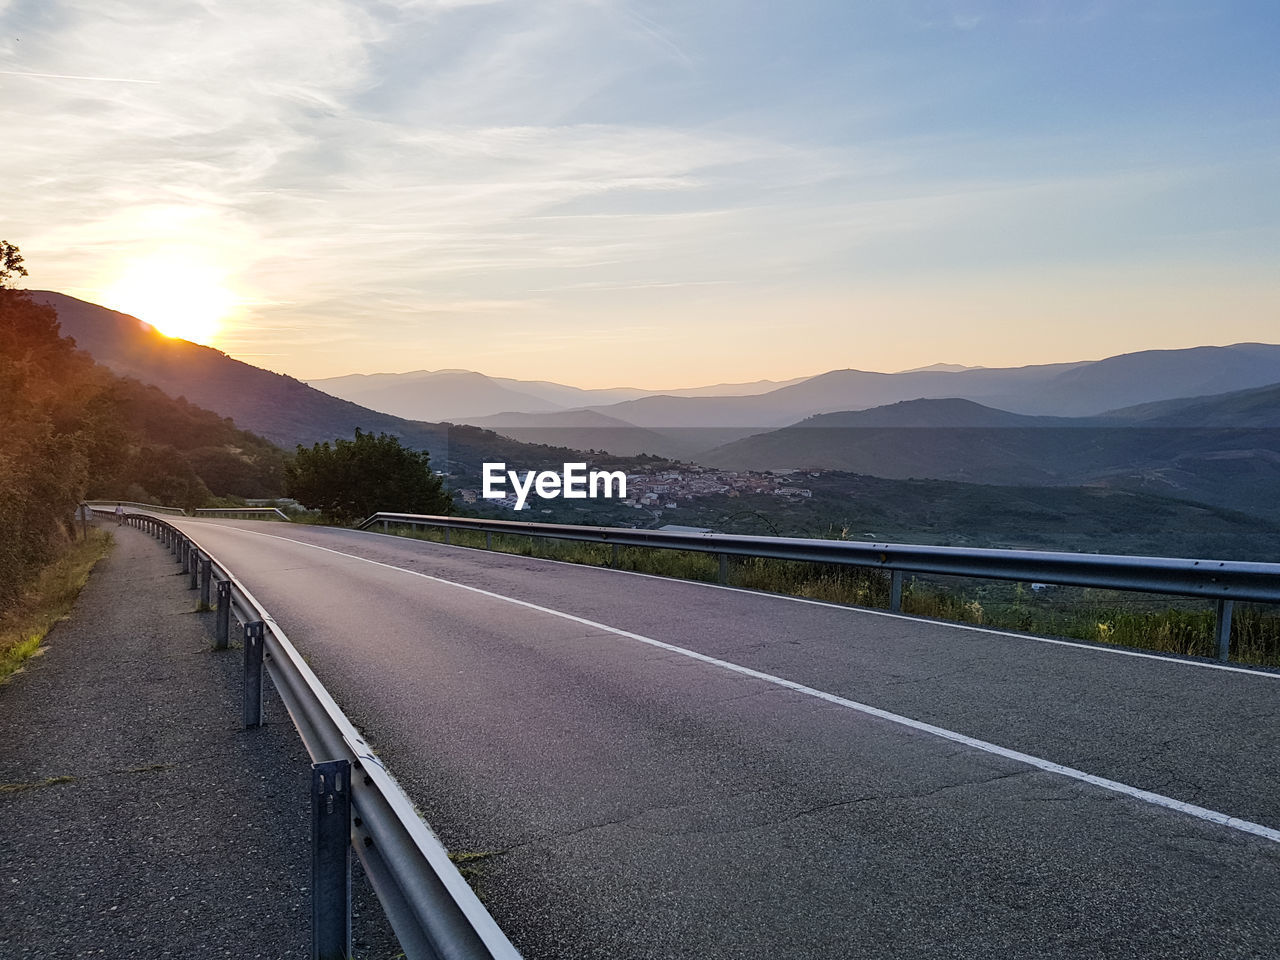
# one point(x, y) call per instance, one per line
point(666, 489)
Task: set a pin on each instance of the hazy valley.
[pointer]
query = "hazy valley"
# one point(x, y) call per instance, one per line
point(1186, 440)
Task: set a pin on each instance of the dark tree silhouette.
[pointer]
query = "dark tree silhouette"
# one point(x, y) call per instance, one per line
point(353, 479)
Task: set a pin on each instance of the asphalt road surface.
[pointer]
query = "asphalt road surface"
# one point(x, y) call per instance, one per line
point(648, 768)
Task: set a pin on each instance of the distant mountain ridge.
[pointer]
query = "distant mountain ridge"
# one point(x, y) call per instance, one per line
point(731, 411)
point(468, 396)
point(1222, 450)
point(1180, 438)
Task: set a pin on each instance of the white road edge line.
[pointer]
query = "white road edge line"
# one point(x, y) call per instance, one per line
point(1048, 766)
point(1053, 641)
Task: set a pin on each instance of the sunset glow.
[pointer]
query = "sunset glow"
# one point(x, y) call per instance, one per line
point(176, 294)
point(656, 195)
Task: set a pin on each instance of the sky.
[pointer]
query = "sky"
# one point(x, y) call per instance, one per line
point(654, 194)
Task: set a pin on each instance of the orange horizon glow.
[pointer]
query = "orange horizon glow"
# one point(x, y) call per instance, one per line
point(177, 293)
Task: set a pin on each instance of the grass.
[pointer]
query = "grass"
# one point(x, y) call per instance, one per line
point(1153, 622)
point(470, 865)
point(47, 600)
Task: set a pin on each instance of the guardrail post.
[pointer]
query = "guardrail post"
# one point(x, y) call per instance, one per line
point(331, 860)
point(895, 591)
point(193, 562)
point(448, 535)
point(615, 556)
point(724, 568)
point(222, 619)
point(384, 526)
point(1224, 628)
point(206, 575)
point(488, 539)
point(253, 636)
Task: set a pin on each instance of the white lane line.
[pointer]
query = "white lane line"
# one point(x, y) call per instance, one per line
point(1090, 647)
point(1039, 763)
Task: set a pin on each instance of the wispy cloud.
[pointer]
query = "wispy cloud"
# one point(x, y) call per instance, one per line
point(364, 171)
point(69, 76)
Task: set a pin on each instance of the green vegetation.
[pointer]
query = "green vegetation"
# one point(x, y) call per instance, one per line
point(71, 429)
point(47, 599)
point(354, 479)
point(1149, 621)
point(1153, 622)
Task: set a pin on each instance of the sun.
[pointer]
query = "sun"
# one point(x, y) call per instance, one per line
point(177, 294)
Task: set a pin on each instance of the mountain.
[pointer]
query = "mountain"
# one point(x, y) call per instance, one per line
point(453, 395)
point(945, 439)
point(1175, 449)
point(749, 389)
point(280, 408)
point(573, 397)
point(565, 397)
point(584, 430)
point(466, 396)
point(71, 427)
point(934, 413)
point(1153, 375)
point(1240, 409)
point(1086, 388)
point(941, 368)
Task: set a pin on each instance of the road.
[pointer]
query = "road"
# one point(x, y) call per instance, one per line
point(656, 769)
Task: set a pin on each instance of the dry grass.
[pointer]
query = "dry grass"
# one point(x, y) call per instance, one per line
point(1151, 622)
point(47, 600)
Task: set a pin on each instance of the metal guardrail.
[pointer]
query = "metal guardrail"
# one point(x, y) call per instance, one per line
point(1223, 581)
point(149, 507)
point(354, 800)
point(243, 513)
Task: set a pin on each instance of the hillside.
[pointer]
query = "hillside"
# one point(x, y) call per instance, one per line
point(950, 412)
point(960, 440)
point(1154, 375)
point(280, 408)
point(1084, 519)
point(71, 428)
point(1240, 409)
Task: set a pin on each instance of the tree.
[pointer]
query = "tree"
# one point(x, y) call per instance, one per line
point(353, 479)
point(10, 264)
